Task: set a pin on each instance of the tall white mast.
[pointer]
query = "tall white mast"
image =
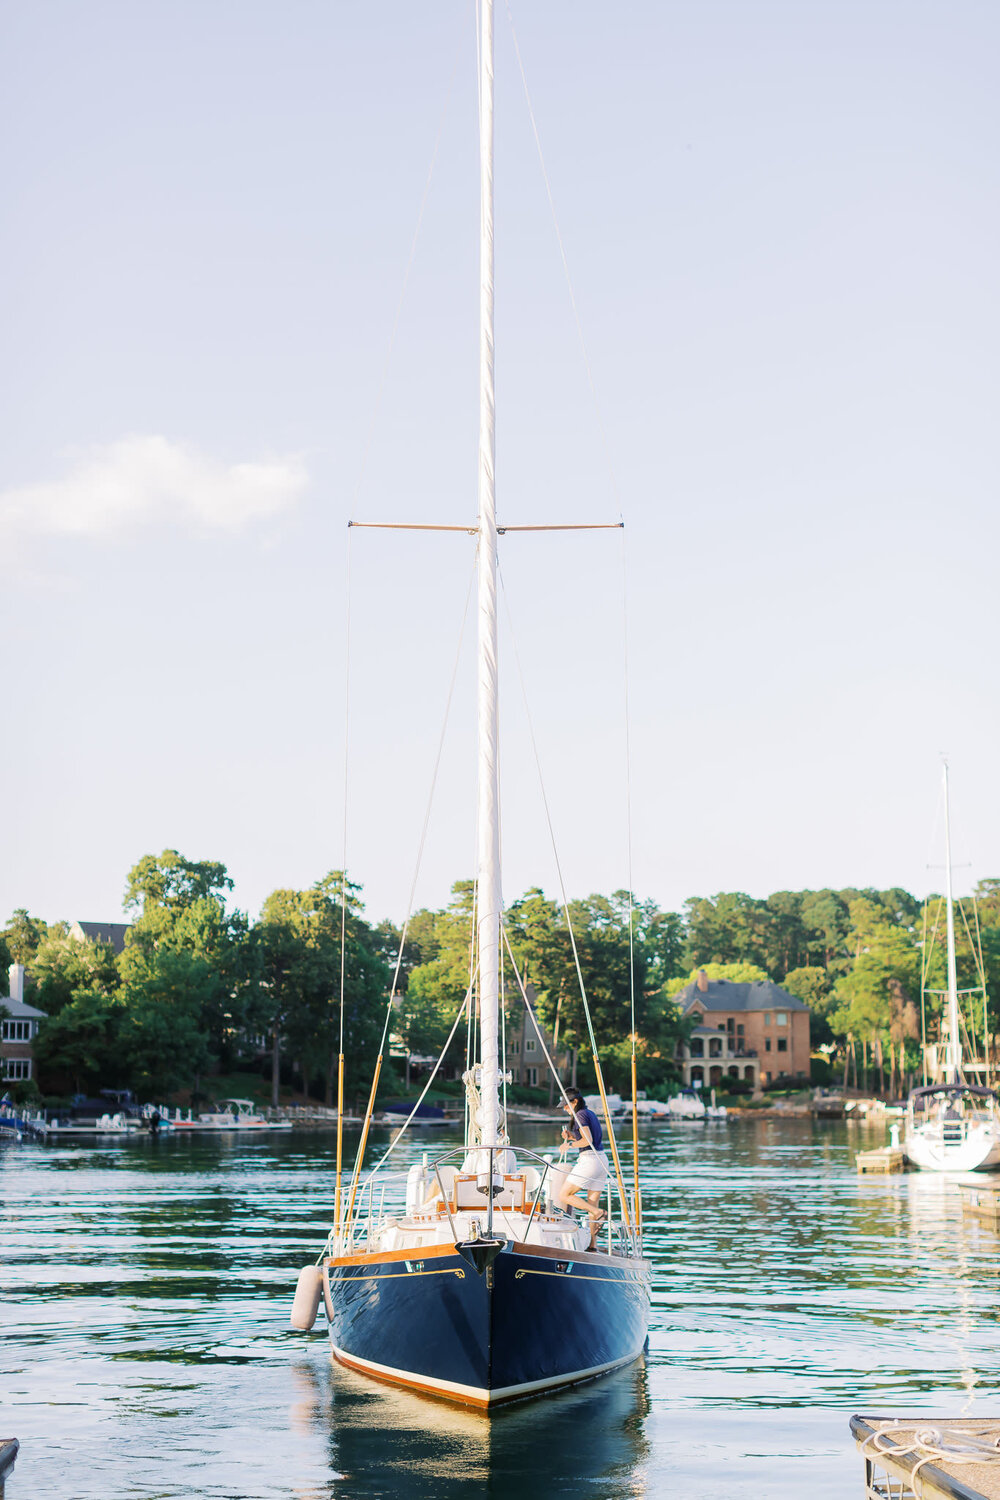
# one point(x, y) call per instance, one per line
point(489, 770)
point(953, 1065)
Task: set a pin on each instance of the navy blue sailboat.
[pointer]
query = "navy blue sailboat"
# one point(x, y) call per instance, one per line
point(477, 1284)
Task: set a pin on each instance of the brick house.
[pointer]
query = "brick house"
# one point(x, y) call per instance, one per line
point(755, 1032)
point(18, 1028)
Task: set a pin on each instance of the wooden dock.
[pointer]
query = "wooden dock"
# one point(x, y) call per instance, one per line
point(8, 1453)
point(929, 1458)
point(984, 1202)
point(885, 1159)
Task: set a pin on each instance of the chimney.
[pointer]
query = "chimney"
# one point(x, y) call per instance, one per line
point(702, 980)
point(16, 972)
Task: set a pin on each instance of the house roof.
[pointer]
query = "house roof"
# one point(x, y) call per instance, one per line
point(18, 1010)
point(724, 995)
point(101, 932)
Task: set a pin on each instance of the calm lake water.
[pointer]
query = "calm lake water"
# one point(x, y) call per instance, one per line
point(146, 1290)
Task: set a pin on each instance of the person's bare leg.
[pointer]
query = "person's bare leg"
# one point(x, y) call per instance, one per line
point(572, 1199)
point(597, 1215)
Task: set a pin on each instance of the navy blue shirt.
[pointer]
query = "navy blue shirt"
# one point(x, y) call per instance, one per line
point(586, 1117)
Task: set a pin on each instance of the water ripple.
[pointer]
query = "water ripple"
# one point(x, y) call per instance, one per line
point(146, 1289)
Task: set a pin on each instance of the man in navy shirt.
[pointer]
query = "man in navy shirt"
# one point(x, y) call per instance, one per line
point(590, 1173)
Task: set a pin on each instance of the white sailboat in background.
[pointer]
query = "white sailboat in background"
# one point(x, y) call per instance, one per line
point(952, 1125)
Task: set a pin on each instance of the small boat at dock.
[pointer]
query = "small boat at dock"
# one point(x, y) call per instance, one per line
point(227, 1116)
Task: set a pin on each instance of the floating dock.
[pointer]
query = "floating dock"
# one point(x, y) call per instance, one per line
point(885, 1159)
point(984, 1202)
point(929, 1458)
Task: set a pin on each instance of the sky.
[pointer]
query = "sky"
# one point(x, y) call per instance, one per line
point(240, 308)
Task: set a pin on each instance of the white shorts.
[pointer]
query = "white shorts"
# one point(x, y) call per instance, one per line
point(590, 1172)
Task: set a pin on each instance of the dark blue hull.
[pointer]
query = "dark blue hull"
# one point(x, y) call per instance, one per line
point(530, 1321)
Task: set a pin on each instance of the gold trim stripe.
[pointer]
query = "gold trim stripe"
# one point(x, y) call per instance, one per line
point(403, 1275)
point(583, 1276)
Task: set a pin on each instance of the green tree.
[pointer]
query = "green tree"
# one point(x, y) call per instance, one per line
point(827, 921)
point(730, 927)
point(437, 983)
point(63, 967)
point(735, 973)
point(80, 1048)
point(297, 977)
point(813, 986)
point(618, 976)
point(22, 936)
point(186, 952)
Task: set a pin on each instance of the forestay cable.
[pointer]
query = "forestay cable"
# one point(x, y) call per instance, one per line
point(413, 883)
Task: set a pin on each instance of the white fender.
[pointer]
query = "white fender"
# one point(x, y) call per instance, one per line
point(416, 1188)
point(307, 1295)
point(554, 1179)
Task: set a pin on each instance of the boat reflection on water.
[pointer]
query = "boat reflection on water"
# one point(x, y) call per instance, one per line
point(589, 1440)
point(960, 1246)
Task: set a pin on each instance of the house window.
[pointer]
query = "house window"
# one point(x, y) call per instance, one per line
point(782, 1018)
point(782, 1044)
point(740, 1030)
point(767, 1044)
point(714, 1047)
point(531, 1075)
point(767, 1018)
point(16, 1068)
point(696, 1046)
point(529, 1044)
point(17, 1031)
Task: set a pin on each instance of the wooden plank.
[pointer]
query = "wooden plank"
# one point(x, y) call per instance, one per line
point(983, 1202)
point(931, 1458)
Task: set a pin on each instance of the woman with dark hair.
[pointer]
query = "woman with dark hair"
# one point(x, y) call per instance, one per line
point(591, 1171)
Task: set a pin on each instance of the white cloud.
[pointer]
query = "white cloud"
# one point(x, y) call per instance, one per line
point(142, 480)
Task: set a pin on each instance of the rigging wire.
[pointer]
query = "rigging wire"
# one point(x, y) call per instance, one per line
point(366, 451)
point(343, 879)
point(470, 1032)
point(565, 259)
point(565, 903)
point(416, 874)
point(423, 1093)
point(926, 953)
point(523, 991)
point(986, 1001)
point(628, 841)
point(978, 960)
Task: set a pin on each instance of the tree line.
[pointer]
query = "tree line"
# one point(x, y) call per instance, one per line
point(200, 988)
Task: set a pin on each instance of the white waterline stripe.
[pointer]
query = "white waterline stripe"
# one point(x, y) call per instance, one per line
point(474, 1392)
